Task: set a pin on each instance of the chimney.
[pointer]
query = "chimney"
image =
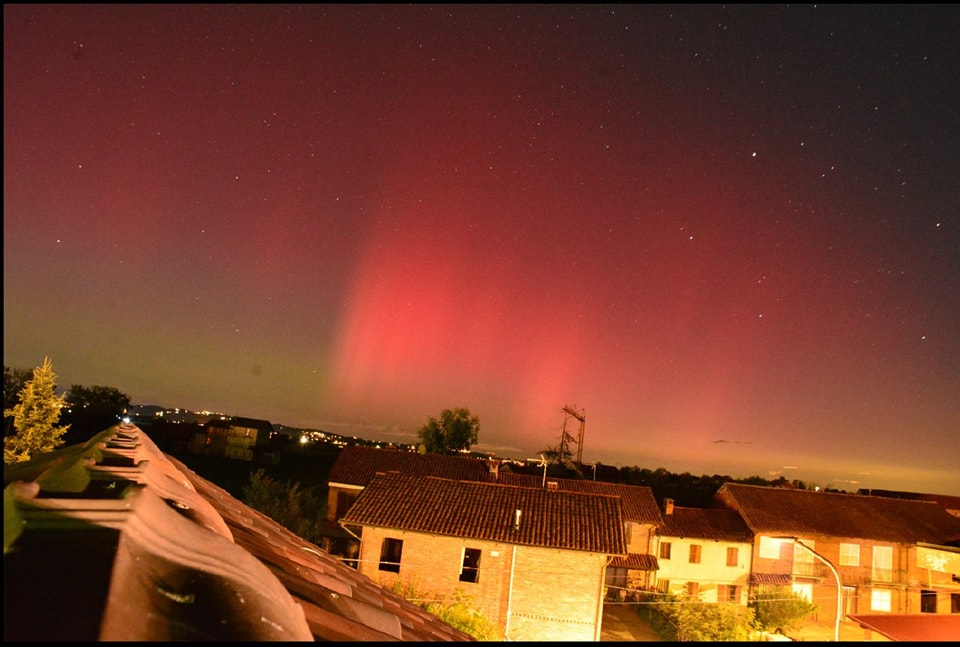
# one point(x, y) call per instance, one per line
point(668, 506)
point(516, 520)
point(552, 486)
point(494, 466)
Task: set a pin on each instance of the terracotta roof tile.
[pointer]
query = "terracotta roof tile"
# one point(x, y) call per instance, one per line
point(771, 510)
point(357, 464)
point(487, 511)
point(638, 561)
point(700, 523)
point(639, 504)
point(920, 627)
point(113, 540)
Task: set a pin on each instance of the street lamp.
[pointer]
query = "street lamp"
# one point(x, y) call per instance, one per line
point(836, 575)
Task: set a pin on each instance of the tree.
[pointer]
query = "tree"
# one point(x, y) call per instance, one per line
point(781, 607)
point(91, 409)
point(14, 379)
point(455, 430)
point(679, 620)
point(35, 417)
point(298, 510)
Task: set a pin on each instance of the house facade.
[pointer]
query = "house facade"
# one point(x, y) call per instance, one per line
point(704, 554)
point(637, 570)
point(533, 561)
point(890, 555)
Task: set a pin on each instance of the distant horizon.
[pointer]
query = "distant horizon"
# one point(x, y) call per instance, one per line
point(791, 473)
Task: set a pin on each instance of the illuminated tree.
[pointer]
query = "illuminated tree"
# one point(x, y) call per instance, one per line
point(455, 430)
point(35, 417)
point(14, 379)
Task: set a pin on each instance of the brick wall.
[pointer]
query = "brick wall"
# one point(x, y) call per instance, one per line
point(555, 594)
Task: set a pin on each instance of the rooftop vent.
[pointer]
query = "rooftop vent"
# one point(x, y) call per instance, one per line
point(516, 519)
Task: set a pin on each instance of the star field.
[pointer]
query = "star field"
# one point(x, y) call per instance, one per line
point(728, 234)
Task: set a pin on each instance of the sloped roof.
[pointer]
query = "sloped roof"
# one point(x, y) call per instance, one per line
point(701, 523)
point(487, 511)
point(639, 504)
point(637, 561)
point(771, 510)
point(919, 627)
point(357, 464)
point(113, 540)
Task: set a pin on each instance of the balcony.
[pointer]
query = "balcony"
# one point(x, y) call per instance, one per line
point(812, 570)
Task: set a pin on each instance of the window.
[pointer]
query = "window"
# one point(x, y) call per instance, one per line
point(663, 586)
point(470, 567)
point(883, 563)
point(664, 550)
point(733, 556)
point(801, 554)
point(880, 600)
point(694, 553)
point(693, 589)
point(769, 548)
point(928, 601)
point(344, 501)
point(849, 554)
point(727, 593)
point(390, 553)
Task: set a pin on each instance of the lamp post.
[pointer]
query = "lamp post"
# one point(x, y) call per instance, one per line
point(836, 575)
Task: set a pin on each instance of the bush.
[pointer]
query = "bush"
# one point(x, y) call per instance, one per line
point(457, 610)
point(781, 607)
point(677, 619)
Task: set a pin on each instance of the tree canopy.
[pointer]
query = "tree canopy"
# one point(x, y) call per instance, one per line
point(35, 417)
point(455, 430)
point(91, 409)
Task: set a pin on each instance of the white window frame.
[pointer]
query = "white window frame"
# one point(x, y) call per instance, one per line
point(770, 548)
point(849, 554)
point(881, 600)
point(882, 569)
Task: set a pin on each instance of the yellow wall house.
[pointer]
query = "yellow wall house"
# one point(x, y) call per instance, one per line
point(532, 560)
point(704, 554)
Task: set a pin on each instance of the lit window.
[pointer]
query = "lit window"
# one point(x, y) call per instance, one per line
point(664, 550)
point(390, 553)
point(880, 600)
point(803, 554)
point(769, 548)
point(733, 556)
point(883, 563)
point(470, 566)
point(849, 554)
point(694, 553)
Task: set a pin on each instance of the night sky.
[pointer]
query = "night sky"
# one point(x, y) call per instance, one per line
point(729, 235)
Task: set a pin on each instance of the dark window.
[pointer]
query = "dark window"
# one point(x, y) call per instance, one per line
point(470, 569)
point(955, 603)
point(732, 556)
point(928, 601)
point(694, 553)
point(664, 550)
point(390, 555)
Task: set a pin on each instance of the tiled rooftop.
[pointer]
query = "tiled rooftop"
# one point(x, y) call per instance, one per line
point(919, 627)
point(487, 511)
point(710, 523)
point(113, 540)
point(639, 504)
point(805, 512)
point(357, 464)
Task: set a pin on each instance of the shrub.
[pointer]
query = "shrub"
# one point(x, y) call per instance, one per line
point(457, 610)
point(781, 607)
